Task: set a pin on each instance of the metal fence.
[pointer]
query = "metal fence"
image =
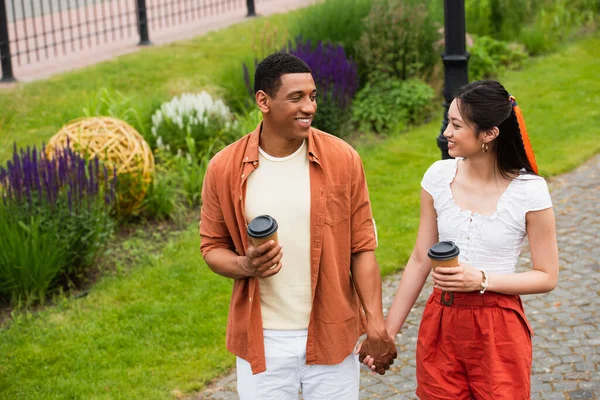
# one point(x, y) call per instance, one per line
point(36, 30)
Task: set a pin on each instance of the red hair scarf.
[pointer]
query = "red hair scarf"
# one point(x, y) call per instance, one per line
point(524, 134)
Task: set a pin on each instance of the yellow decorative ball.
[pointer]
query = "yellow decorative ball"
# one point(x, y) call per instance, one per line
point(118, 146)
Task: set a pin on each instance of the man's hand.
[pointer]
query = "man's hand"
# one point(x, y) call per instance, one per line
point(262, 261)
point(380, 350)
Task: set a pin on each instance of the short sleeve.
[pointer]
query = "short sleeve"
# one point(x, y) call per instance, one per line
point(427, 182)
point(539, 195)
point(437, 176)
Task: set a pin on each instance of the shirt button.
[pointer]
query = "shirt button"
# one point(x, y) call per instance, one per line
point(243, 176)
point(250, 299)
point(254, 163)
point(246, 159)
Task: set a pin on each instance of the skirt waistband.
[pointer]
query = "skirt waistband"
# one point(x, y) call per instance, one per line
point(487, 299)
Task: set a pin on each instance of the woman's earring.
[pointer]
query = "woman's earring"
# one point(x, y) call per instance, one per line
point(485, 147)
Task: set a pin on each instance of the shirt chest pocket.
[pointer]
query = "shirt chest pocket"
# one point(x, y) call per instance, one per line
point(337, 208)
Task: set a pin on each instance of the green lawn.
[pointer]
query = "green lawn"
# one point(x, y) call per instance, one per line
point(156, 331)
point(160, 329)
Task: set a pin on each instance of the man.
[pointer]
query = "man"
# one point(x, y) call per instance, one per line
point(295, 312)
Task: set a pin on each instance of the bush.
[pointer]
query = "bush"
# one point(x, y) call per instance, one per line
point(179, 176)
point(117, 105)
point(235, 81)
point(335, 76)
point(388, 105)
point(539, 24)
point(336, 79)
point(557, 21)
point(500, 19)
point(58, 205)
point(248, 120)
point(489, 57)
point(198, 116)
point(398, 40)
point(334, 21)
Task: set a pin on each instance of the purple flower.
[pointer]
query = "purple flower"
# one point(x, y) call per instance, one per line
point(335, 75)
point(43, 182)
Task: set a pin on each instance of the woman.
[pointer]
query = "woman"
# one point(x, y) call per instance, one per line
point(474, 340)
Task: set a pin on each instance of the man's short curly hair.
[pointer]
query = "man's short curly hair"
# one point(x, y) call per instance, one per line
point(268, 73)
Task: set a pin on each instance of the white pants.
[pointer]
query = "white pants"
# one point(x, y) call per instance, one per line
point(287, 373)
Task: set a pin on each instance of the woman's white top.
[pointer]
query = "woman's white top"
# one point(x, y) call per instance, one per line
point(491, 243)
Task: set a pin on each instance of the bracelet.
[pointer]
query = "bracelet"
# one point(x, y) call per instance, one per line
point(484, 281)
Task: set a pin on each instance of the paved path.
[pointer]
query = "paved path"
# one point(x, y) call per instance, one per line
point(566, 322)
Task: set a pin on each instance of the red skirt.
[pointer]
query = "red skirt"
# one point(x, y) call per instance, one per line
point(474, 346)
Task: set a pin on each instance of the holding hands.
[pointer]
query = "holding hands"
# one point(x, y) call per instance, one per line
point(378, 351)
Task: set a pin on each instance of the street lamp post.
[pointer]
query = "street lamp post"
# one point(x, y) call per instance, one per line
point(251, 8)
point(455, 57)
point(5, 60)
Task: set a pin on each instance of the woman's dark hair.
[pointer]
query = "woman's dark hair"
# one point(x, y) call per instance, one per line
point(486, 104)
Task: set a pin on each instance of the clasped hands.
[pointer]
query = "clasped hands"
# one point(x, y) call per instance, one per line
point(463, 278)
point(378, 351)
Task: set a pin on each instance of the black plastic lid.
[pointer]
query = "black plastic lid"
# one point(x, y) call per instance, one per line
point(443, 251)
point(262, 226)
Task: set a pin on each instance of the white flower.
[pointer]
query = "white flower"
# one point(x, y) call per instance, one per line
point(191, 110)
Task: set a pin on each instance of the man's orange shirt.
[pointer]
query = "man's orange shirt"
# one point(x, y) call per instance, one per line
point(341, 224)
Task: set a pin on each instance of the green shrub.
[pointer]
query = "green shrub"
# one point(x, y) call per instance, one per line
point(116, 104)
point(398, 40)
point(489, 57)
point(557, 21)
point(539, 24)
point(235, 80)
point(30, 259)
point(336, 79)
point(190, 170)
point(334, 21)
point(500, 19)
point(388, 105)
point(198, 116)
point(58, 205)
point(179, 176)
point(162, 201)
point(248, 120)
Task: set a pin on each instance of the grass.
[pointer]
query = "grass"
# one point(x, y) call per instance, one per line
point(158, 330)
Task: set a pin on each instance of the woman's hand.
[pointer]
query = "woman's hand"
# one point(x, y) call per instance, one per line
point(464, 278)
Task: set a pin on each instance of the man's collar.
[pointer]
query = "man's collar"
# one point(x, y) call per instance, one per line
point(251, 154)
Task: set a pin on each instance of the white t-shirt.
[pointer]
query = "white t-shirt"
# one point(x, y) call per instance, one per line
point(280, 187)
point(492, 243)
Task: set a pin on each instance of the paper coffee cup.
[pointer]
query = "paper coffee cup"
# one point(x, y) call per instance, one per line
point(444, 254)
point(262, 229)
